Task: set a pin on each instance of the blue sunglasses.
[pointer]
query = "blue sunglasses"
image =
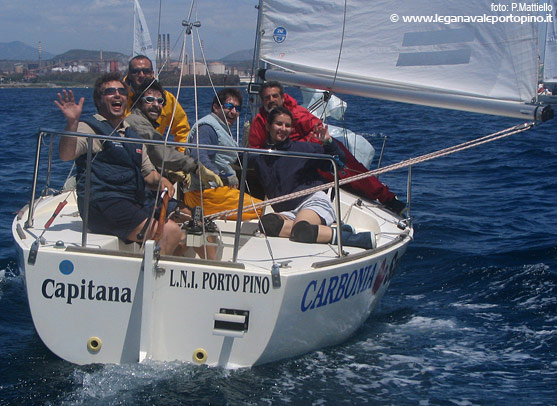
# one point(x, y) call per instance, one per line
point(230, 106)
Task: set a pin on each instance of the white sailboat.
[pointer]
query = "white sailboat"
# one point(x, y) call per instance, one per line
point(94, 299)
point(142, 44)
point(549, 76)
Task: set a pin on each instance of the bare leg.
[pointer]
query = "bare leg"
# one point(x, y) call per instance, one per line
point(325, 233)
point(170, 238)
point(286, 229)
point(211, 249)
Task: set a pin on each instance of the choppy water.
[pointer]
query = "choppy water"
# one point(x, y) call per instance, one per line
point(470, 318)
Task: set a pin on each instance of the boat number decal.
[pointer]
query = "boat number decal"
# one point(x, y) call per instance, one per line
point(221, 281)
point(322, 292)
point(279, 35)
point(66, 267)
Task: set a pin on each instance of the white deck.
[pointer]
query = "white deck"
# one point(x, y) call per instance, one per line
point(253, 251)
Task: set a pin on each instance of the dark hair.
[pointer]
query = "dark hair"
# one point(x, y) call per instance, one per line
point(277, 111)
point(272, 83)
point(135, 58)
point(224, 94)
point(148, 85)
point(107, 77)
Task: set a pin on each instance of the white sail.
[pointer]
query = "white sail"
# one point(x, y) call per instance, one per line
point(314, 101)
point(141, 38)
point(334, 107)
point(474, 66)
point(550, 54)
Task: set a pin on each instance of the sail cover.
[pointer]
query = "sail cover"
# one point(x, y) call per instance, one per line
point(141, 38)
point(389, 50)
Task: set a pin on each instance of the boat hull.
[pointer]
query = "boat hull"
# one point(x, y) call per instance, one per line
point(98, 304)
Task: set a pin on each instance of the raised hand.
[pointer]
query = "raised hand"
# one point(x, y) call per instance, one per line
point(72, 112)
point(70, 109)
point(321, 132)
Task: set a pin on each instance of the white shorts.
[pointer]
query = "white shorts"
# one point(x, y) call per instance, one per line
point(319, 203)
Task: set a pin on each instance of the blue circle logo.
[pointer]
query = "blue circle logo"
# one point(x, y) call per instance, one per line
point(66, 267)
point(279, 35)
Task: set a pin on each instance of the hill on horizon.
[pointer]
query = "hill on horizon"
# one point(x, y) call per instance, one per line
point(19, 51)
point(84, 54)
point(238, 56)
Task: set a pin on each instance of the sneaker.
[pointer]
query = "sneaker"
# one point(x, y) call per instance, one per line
point(396, 206)
point(365, 240)
point(347, 227)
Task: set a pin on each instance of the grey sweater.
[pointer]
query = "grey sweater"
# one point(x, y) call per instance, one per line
point(173, 159)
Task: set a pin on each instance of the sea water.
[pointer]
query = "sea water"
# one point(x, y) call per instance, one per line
point(469, 319)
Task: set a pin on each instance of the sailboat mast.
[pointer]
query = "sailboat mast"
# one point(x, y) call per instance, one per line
point(256, 65)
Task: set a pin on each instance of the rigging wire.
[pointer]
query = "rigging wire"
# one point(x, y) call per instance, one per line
point(399, 165)
point(196, 125)
point(345, 133)
point(222, 109)
point(251, 203)
point(158, 192)
point(255, 57)
point(341, 44)
point(158, 36)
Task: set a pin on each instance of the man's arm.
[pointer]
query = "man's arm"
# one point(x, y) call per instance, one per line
point(72, 111)
point(306, 122)
point(258, 132)
point(180, 127)
point(173, 160)
point(152, 181)
point(208, 136)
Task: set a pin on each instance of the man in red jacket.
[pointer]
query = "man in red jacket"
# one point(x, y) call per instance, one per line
point(272, 95)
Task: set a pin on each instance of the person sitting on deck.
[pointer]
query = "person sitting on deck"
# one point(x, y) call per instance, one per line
point(305, 125)
point(119, 170)
point(214, 129)
point(148, 104)
point(140, 70)
point(307, 218)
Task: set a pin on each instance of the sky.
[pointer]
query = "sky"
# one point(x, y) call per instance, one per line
point(61, 25)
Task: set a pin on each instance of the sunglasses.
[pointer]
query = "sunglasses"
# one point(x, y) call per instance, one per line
point(230, 106)
point(122, 91)
point(145, 71)
point(152, 99)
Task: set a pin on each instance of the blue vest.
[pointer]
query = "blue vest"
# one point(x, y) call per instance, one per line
point(223, 159)
point(282, 175)
point(115, 171)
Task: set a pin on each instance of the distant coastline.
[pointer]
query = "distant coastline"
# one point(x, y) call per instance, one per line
point(23, 85)
point(87, 79)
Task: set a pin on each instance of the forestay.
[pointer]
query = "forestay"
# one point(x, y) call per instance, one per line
point(473, 66)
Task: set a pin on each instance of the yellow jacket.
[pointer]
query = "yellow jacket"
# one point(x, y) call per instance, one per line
point(180, 128)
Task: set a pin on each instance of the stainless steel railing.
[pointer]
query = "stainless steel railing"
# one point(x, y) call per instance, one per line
point(43, 133)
